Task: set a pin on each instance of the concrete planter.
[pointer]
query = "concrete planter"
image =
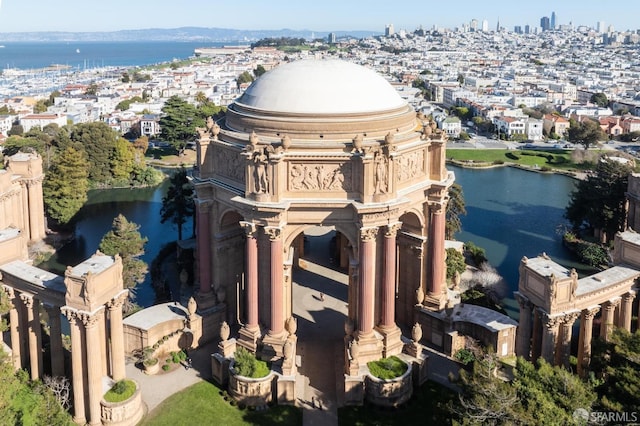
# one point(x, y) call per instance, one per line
point(123, 413)
point(251, 392)
point(389, 392)
point(152, 369)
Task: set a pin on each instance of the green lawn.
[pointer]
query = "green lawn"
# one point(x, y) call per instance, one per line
point(426, 407)
point(552, 158)
point(203, 404)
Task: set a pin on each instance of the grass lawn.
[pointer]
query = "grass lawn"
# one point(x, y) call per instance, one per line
point(203, 404)
point(426, 407)
point(169, 156)
point(552, 158)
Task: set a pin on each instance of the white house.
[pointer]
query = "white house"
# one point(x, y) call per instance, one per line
point(41, 120)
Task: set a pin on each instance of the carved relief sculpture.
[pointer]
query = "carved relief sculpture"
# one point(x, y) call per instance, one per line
point(410, 165)
point(380, 173)
point(331, 177)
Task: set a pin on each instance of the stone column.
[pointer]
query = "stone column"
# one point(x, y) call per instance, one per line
point(14, 327)
point(94, 366)
point(35, 339)
point(549, 335)
point(389, 278)
point(392, 336)
point(276, 327)
point(626, 310)
point(116, 333)
point(584, 341)
point(366, 293)
point(536, 339)
point(523, 344)
point(436, 251)
point(250, 332)
point(606, 325)
point(563, 349)
point(77, 355)
point(55, 337)
point(203, 236)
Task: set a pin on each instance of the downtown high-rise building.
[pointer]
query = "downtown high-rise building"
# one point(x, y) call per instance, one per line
point(545, 23)
point(552, 22)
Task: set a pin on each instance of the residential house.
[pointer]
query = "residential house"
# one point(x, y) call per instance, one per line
point(557, 124)
point(150, 125)
point(41, 120)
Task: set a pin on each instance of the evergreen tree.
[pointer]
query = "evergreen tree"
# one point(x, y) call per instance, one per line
point(125, 240)
point(599, 201)
point(99, 142)
point(586, 133)
point(177, 205)
point(65, 185)
point(455, 208)
point(178, 125)
point(617, 364)
point(122, 161)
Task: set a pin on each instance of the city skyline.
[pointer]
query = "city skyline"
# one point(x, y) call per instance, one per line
point(330, 15)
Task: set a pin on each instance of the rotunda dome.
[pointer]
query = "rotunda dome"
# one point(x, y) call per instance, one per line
point(320, 99)
point(321, 87)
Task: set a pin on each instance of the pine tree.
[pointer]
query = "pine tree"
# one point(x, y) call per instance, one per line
point(177, 205)
point(125, 240)
point(65, 185)
point(455, 208)
point(178, 125)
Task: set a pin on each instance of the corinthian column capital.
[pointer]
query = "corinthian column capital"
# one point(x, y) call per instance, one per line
point(274, 232)
point(369, 234)
point(392, 229)
point(250, 228)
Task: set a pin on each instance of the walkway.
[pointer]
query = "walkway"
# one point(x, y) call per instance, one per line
point(319, 303)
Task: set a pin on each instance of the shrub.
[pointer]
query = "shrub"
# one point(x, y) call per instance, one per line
point(498, 162)
point(387, 368)
point(247, 365)
point(465, 356)
point(121, 391)
point(455, 262)
point(512, 156)
point(166, 367)
point(478, 254)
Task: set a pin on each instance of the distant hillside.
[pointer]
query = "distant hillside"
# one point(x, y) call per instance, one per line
point(176, 34)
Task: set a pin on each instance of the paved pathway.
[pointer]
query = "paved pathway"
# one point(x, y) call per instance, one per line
point(320, 296)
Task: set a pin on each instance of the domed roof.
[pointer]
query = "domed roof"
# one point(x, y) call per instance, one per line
point(321, 87)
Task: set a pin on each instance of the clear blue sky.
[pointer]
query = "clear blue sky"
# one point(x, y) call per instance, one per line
point(318, 15)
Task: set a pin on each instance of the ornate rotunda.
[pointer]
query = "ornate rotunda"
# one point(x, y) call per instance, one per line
point(329, 143)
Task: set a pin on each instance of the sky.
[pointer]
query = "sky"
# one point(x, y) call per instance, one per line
point(323, 15)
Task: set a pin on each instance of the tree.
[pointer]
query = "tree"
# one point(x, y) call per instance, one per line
point(179, 122)
point(586, 133)
point(177, 205)
point(455, 208)
point(259, 70)
point(617, 364)
point(125, 240)
point(537, 395)
point(598, 202)
point(65, 185)
point(16, 129)
point(122, 161)
point(98, 141)
point(200, 98)
point(40, 106)
point(245, 77)
point(599, 99)
point(455, 262)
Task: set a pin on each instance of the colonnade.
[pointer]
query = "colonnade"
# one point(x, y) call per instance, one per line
point(97, 345)
point(545, 335)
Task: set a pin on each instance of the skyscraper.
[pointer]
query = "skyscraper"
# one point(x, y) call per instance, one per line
point(485, 25)
point(388, 30)
point(545, 23)
point(553, 21)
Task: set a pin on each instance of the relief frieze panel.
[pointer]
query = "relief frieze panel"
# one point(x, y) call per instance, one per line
point(230, 164)
point(410, 166)
point(320, 177)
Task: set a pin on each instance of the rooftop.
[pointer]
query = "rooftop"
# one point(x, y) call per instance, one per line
point(321, 87)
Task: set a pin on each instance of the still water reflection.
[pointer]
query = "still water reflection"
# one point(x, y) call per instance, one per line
point(513, 213)
point(141, 206)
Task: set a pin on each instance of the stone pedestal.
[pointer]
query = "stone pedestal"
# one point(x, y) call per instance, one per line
point(353, 390)
point(227, 348)
point(286, 390)
point(220, 369)
point(248, 338)
point(391, 341)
